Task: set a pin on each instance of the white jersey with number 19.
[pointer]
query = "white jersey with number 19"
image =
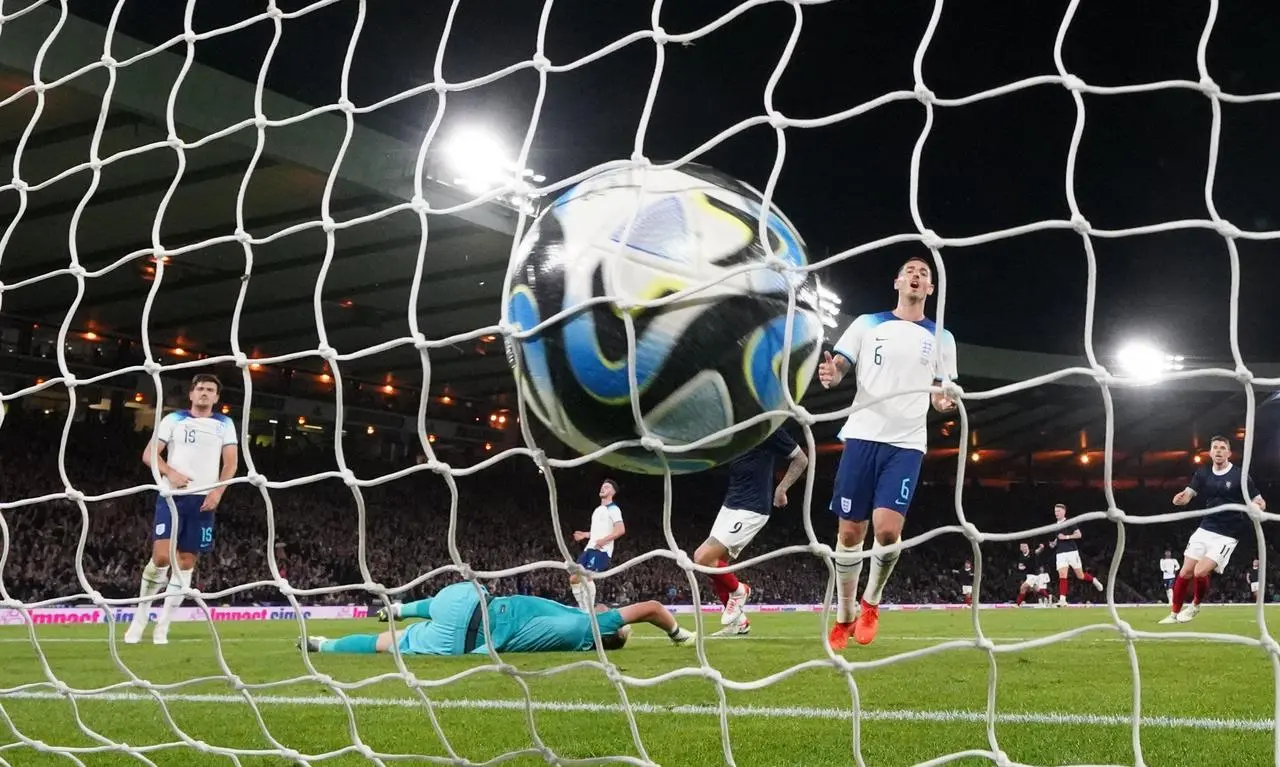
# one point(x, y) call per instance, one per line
point(194, 444)
point(893, 355)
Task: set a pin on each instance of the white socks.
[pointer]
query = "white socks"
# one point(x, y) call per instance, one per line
point(881, 567)
point(154, 578)
point(584, 593)
point(847, 573)
point(173, 597)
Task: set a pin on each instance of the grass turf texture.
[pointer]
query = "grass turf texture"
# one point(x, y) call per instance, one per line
point(1066, 703)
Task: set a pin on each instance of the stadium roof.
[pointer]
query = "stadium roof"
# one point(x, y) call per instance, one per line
point(366, 291)
point(365, 294)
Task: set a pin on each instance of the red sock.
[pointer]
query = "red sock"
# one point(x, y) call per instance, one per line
point(725, 583)
point(1062, 587)
point(1202, 589)
point(968, 599)
point(1021, 596)
point(1087, 578)
point(1044, 593)
point(1179, 593)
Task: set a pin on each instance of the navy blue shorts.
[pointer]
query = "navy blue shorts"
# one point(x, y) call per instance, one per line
point(195, 527)
point(1168, 583)
point(873, 475)
point(594, 560)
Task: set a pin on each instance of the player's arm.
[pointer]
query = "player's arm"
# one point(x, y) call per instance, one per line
point(799, 463)
point(230, 464)
point(1255, 494)
point(153, 452)
point(1071, 536)
point(1191, 490)
point(941, 402)
point(619, 529)
point(832, 369)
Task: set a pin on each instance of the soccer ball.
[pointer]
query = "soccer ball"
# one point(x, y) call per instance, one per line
point(703, 362)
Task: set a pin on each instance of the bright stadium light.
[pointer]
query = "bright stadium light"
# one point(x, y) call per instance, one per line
point(824, 300)
point(478, 158)
point(1144, 361)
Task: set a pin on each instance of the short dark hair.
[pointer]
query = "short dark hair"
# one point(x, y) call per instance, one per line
point(200, 378)
point(1220, 438)
point(1062, 506)
point(920, 259)
point(611, 481)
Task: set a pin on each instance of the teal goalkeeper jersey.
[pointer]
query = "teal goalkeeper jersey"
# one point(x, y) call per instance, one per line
point(534, 624)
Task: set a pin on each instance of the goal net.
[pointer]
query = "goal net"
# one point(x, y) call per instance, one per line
point(172, 102)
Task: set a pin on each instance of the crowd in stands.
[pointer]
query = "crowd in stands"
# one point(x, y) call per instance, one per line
point(403, 529)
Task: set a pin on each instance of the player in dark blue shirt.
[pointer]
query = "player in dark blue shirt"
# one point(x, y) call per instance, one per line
point(747, 503)
point(1210, 546)
point(1253, 576)
point(1029, 567)
point(1067, 555)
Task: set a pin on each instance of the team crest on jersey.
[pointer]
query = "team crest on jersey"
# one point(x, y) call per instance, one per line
point(846, 505)
point(926, 351)
point(1228, 484)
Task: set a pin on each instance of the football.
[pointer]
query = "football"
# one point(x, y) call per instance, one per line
point(707, 360)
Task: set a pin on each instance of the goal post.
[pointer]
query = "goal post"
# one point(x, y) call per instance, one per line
point(410, 182)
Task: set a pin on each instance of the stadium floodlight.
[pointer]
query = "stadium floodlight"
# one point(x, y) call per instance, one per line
point(478, 158)
point(1144, 361)
point(824, 300)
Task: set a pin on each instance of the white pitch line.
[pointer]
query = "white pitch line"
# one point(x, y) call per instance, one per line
point(764, 712)
point(1168, 636)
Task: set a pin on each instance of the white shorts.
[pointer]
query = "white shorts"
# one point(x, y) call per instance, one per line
point(1042, 581)
point(1214, 546)
point(967, 589)
point(1069, 559)
point(1253, 587)
point(736, 527)
point(1032, 579)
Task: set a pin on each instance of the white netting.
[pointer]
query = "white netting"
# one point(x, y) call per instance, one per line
point(260, 123)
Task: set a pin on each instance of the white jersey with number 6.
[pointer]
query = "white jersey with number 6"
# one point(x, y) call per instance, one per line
point(195, 444)
point(892, 355)
point(602, 521)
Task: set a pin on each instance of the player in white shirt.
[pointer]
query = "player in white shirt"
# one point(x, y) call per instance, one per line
point(192, 450)
point(1169, 568)
point(606, 527)
point(885, 438)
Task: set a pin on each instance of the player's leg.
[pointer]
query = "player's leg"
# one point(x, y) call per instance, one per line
point(897, 471)
point(733, 531)
point(1182, 585)
point(653, 613)
point(1218, 553)
point(1023, 590)
point(851, 502)
point(713, 553)
point(584, 590)
point(365, 644)
point(155, 575)
point(1168, 590)
point(1084, 575)
point(195, 537)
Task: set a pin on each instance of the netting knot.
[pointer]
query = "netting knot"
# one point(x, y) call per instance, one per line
point(639, 161)
point(1073, 82)
point(803, 416)
point(346, 105)
point(439, 467)
point(151, 367)
point(465, 572)
point(18, 184)
point(95, 164)
point(971, 531)
point(930, 239)
point(1126, 630)
point(1080, 224)
point(257, 480)
point(612, 673)
point(923, 94)
point(1255, 511)
point(660, 36)
point(651, 443)
point(107, 60)
point(173, 142)
point(348, 477)
point(328, 224)
point(273, 11)
point(420, 341)
point(541, 63)
point(69, 380)
point(778, 119)
point(74, 495)
point(1244, 375)
point(1228, 230)
point(1270, 644)
point(1115, 514)
point(1209, 88)
point(683, 561)
point(1002, 759)
point(984, 643)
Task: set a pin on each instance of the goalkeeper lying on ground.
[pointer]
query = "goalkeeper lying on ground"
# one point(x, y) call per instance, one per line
point(517, 624)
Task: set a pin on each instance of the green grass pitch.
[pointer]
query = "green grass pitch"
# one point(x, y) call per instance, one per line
point(1069, 702)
